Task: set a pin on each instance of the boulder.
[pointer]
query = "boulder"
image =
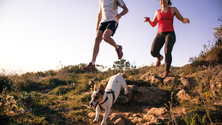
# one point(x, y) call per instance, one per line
point(119, 121)
point(182, 96)
point(156, 80)
point(157, 111)
point(148, 95)
point(169, 80)
point(184, 81)
point(114, 117)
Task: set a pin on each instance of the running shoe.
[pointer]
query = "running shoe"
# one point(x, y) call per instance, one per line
point(166, 74)
point(90, 67)
point(119, 51)
point(158, 62)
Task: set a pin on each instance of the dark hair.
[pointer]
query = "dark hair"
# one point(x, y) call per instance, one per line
point(169, 3)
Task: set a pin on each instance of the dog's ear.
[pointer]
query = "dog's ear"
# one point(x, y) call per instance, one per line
point(101, 89)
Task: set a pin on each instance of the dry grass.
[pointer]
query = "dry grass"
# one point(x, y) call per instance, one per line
point(62, 96)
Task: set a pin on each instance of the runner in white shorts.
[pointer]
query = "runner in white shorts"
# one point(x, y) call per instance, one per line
point(108, 19)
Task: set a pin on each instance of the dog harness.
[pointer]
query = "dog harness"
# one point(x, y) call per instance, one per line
point(111, 91)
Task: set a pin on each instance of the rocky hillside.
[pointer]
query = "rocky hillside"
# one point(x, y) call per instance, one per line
point(187, 96)
point(178, 99)
point(191, 95)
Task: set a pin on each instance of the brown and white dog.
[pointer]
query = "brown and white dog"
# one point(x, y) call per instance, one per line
point(106, 97)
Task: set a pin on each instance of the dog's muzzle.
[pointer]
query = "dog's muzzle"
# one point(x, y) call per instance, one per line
point(93, 104)
point(90, 104)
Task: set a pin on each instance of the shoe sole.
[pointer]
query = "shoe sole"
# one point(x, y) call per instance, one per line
point(157, 65)
point(121, 48)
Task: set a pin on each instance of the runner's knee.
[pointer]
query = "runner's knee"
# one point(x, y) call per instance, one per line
point(154, 54)
point(106, 38)
point(98, 39)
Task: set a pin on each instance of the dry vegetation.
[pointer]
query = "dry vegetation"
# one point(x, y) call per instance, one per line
point(62, 96)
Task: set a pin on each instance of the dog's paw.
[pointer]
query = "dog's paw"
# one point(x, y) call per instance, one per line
point(95, 121)
point(126, 92)
point(103, 123)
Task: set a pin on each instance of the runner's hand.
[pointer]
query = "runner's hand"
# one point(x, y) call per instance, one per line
point(146, 19)
point(186, 20)
point(118, 16)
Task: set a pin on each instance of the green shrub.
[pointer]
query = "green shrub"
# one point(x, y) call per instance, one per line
point(4, 82)
point(54, 82)
point(60, 90)
point(29, 100)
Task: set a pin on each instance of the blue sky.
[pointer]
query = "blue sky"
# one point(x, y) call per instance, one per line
point(35, 35)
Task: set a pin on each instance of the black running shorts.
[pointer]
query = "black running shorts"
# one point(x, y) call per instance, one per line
point(112, 25)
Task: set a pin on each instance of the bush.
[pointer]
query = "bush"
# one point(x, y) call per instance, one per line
point(4, 82)
point(61, 90)
point(29, 100)
point(214, 55)
point(26, 85)
point(54, 82)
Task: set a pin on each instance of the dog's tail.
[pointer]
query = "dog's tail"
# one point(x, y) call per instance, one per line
point(122, 74)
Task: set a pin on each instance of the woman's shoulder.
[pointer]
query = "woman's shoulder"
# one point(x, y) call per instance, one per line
point(173, 9)
point(157, 11)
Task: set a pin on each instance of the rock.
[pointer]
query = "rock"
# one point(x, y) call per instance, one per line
point(136, 115)
point(119, 121)
point(131, 91)
point(93, 114)
point(157, 111)
point(114, 117)
point(149, 118)
point(148, 95)
point(122, 99)
point(156, 80)
point(22, 111)
point(184, 81)
point(139, 120)
point(179, 111)
point(169, 80)
point(151, 95)
point(145, 77)
point(182, 96)
point(135, 119)
point(130, 78)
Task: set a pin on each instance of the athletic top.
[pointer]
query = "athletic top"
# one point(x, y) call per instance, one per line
point(109, 9)
point(165, 21)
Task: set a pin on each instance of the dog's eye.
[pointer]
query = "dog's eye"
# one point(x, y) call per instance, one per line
point(96, 97)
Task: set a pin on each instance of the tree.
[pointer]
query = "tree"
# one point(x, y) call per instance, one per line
point(121, 65)
point(218, 33)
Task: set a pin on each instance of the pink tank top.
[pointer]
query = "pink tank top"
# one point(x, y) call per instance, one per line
point(165, 21)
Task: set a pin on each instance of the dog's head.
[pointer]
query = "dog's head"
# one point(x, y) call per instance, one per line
point(97, 96)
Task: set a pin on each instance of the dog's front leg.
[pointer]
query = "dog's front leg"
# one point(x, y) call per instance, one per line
point(105, 116)
point(97, 114)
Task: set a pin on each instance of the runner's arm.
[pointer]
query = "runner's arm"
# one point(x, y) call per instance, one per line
point(154, 22)
point(99, 19)
point(125, 11)
point(179, 16)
